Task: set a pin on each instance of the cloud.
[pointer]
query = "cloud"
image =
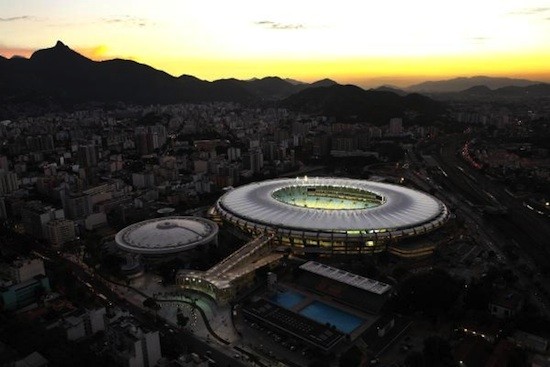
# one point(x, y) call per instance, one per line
point(479, 39)
point(8, 51)
point(275, 25)
point(15, 19)
point(129, 20)
point(531, 11)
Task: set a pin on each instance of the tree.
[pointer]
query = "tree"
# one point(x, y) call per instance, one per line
point(351, 358)
point(433, 293)
point(182, 319)
point(437, 352)
point(414, 359)
point(151, 304)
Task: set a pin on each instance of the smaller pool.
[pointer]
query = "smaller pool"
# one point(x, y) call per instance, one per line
point(323, 314)
point(287, 299)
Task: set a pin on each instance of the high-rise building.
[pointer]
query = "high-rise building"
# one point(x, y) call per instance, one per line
point(4, 163)
point(35, 215)
point(256, 160)
point(149, 138)
point(3, 210)
point(143, 180)
point(60, 231)
point(39, 143)
point(77, 205)
point(87, 155)
point(396, 126)
point(233, 153)
point(132, 345)
point(8, 182)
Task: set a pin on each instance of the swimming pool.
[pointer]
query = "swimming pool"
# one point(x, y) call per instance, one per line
point(323, 313)
point(287, 299)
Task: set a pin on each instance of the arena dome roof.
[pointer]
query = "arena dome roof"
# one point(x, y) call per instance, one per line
point(166, 235)
point(333, 205)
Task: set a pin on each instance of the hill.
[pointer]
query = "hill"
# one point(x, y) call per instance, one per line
point(460, 84)
point(350, 102)
point(63, 75)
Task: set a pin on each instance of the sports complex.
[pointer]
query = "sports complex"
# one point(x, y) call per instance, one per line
point(314, 217)
point(330, 215)
point(162, 238)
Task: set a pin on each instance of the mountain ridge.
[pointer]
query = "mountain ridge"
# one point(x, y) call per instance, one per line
point(462, 83)
point(66, 75)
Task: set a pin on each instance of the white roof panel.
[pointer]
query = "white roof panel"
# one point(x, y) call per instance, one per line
point(401, 208)
point(343, 276)
point(166, 235)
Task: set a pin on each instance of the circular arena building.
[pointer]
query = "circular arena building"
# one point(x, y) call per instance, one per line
point(331, 215)
point(167, 236)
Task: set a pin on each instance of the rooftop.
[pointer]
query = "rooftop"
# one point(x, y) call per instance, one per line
point(166, 235)
point(367, 284)
point(337, 205)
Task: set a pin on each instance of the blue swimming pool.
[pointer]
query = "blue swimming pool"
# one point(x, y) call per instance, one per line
point(323, 313)
point(287, 299)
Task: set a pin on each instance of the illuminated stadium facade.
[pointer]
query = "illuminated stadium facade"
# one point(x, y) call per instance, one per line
point(331, 215)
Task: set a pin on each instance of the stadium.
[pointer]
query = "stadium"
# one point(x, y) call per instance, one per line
point(330, 215)
point(167, 237)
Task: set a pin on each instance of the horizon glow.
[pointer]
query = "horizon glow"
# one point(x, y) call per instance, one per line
point(395, 42)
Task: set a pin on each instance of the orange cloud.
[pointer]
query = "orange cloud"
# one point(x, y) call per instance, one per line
point(15, 51)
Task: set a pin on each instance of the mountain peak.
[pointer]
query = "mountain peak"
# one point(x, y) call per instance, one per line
point(324, 83)
point(60, 53)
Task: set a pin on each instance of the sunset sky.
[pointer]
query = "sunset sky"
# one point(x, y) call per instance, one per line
point(368, 43)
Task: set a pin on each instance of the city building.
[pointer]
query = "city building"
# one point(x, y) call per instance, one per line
point(348, 288)
point(143, 180)
point(77, 205)
point(396, 126)
point(22, 282)
point(329, 308)
point(149, 138)
point(35, 215)
point(21, 270)
point(34, 359)
point(8, 182)
point(24, 294)
point(132, 345)
point(83, 323)
point(506, 304)
point(60, 231)
point(87, 155)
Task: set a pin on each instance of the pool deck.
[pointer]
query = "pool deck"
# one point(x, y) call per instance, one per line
point(368, 318)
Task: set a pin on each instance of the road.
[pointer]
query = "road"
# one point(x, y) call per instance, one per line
point(521, 229)
point(520, 225)
point(222, 355)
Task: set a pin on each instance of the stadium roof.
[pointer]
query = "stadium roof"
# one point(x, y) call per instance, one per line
point(367, 284)
point(166, 235)
point(400, 208)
